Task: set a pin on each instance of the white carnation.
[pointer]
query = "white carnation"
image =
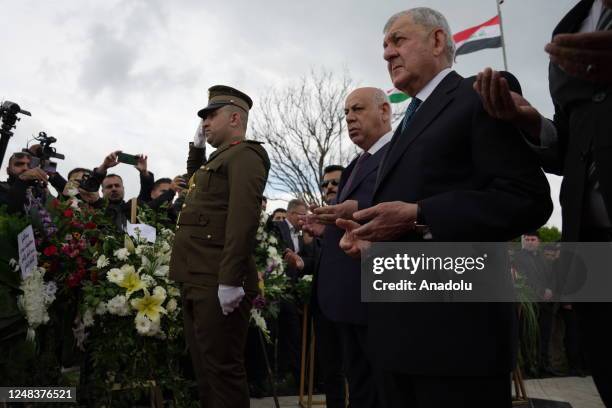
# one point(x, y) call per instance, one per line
point(143, 325)
point(148, 280)
point(36, 298)
point(115, 275)
point(174, 292)
point(122, 254)
point(159, 292)
point(101, 309)
point(102, 262)
point(88, 318)
point(171, 305)
point(118, 306)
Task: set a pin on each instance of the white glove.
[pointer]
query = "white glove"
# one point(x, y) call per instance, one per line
point(230, 297)
point(199, 140)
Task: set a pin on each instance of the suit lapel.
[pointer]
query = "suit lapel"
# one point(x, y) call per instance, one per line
point(287, 234)
point(429, 110)
point(365, 169)
point(574, 18)
point(346, 173)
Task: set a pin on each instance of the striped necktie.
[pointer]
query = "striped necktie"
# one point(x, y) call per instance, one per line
point(412, 108)
point(605, 20)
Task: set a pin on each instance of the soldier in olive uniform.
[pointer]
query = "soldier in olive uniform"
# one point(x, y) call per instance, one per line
point(214, 244)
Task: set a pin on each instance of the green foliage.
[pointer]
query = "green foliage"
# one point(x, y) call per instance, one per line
point(549, 234)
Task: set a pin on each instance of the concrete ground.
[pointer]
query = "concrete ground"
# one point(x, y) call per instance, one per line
point(579, 392)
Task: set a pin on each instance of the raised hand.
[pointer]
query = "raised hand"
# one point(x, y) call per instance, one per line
point(141, 163)
point(349, 243)
point(502, 103)
point(386, 221)
point(109, 161)
point(330, 213)
point(584, 55)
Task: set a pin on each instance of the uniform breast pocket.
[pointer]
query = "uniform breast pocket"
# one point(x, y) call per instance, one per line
point(210, 177)
point(209, 236)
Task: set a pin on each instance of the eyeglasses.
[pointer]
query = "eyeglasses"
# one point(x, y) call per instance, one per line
point(325, 183)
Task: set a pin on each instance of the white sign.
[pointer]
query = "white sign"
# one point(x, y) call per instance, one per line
point(143, 230)
point(28, 257)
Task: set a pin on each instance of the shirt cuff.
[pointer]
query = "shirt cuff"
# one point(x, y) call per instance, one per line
point(548, 135)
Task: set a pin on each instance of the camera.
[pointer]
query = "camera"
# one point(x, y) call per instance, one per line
point(42, 156)
point(8, 115)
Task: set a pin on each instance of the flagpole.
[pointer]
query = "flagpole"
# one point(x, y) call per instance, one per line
point(501, 28)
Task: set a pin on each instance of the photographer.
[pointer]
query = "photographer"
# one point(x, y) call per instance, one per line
point(13, 192)
point(164, 190)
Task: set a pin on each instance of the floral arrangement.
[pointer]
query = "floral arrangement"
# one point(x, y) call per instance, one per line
point(273, 283)
point(36, 298)
point(133, 282)
point(133, 309)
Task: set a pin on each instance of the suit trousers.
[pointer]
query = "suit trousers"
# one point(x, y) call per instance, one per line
point(411, 391)
point(594, 320)
point(329, 357)
point(363, 381)
point(216, 343)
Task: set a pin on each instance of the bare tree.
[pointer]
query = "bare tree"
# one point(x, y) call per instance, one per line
point(303, 126)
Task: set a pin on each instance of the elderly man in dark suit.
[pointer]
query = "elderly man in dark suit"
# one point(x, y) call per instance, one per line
point(460, 175)
point(576, 144)
point(337, 283)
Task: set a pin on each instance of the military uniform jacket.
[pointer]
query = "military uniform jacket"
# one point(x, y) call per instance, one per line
point(215, 236)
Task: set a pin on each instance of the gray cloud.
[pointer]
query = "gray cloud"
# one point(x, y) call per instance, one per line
point(132, 74)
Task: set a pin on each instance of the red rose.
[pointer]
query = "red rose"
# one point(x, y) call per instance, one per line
point(74, 280)
point(90, 225)
point(68, 213)
point(50, 250)
point(55, 203)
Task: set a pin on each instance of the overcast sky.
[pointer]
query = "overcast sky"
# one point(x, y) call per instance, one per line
point(130, 75)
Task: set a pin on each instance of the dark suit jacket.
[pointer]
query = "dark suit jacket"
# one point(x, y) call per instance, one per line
point(475, 179)
point(582, 120)
point(537, 271)
point(338, 277)
point(307, 252)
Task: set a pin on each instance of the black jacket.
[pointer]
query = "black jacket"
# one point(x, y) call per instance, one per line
point(337, 282)
point(475, 179)
point(582, 111)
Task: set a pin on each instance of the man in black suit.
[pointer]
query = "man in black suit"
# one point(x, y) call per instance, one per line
point(538, 272)
point(576, 144)
point(461, 175)
point(300, 261)
point(338, 285)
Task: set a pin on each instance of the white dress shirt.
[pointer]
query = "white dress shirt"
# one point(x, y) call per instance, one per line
point(380, 143)
point(432, 85)
point(295, 236)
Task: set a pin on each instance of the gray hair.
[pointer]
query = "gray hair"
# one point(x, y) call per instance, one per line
point(430, 19)
point(380, 97)
point(295, 203)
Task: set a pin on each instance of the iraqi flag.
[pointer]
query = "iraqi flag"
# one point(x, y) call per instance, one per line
point(485, 35)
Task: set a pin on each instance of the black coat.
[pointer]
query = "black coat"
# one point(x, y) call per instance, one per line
point(338, 277)
point(308, 252)
point(582, 111)
point(475, 179)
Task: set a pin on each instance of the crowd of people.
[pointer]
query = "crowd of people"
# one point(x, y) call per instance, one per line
point(464, 164)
